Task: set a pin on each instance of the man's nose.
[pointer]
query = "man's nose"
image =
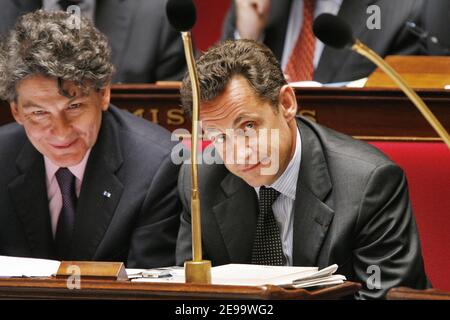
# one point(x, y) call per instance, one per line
point(245, 154)
point(61, 127)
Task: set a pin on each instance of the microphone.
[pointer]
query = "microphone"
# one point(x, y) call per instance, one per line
point(181, 14)
point(336, 33)
point(333, 31)
point(182, 17)
point(424, 35)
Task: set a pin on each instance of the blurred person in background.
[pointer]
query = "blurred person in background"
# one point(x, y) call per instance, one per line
point(144, 46)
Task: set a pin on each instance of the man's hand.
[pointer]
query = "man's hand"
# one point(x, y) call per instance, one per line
point(251, 17)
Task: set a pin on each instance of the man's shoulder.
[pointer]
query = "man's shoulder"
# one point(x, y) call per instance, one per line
point(337, 145)
point(12, 138)
point(11, 129)
point(146, 134)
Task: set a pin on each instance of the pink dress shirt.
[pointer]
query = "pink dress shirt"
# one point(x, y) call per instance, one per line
point(53, 191)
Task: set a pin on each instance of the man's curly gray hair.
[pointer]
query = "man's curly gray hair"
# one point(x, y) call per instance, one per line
point(46, 43)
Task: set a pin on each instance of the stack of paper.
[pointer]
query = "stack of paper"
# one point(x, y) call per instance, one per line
point(27, 267)
point(298, 277)
point(323, 277)
point(249, 275)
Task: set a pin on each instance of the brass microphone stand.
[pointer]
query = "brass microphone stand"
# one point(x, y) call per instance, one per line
point(197, 270)
point(362, 49)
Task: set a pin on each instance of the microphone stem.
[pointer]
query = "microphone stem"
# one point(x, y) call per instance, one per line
point(362, 49)
point(197, 270)
point(195, 198)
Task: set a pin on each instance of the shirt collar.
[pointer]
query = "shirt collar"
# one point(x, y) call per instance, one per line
point(286, 184)
point(77, 170)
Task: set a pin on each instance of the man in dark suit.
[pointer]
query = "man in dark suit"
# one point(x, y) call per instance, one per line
point(80, 179)
point(145, 48)
point(278, 25)
point(289, 191)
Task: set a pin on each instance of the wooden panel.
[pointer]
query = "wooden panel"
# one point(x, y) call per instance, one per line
point(374, 113)
point(417, 71)
point(402, 293)
point(26, 288)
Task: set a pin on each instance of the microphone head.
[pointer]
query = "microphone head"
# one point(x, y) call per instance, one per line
point(333, 31)
point(181, 14)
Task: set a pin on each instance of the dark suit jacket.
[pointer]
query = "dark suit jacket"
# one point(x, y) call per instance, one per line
point(345, 65)
point(145, 48)
point(351, 208)
point(437, 23)
point(131, 160)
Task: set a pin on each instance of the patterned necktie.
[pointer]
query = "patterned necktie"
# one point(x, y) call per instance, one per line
point(300, 66)
point(267, 247)
point(66, 220)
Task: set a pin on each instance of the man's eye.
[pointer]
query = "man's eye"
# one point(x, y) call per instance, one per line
point(39, 113)
point(74, 106)
point(249, 125)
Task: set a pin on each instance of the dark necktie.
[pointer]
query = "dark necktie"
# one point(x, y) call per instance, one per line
point(267, 247)
point(300, 65)
point(66, 220)
point(66, 3)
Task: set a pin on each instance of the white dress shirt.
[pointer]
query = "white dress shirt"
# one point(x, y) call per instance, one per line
point(283, 207)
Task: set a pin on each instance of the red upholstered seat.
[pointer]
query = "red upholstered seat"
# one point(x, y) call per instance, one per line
point(427, 167)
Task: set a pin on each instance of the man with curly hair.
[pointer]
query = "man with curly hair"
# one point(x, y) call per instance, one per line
point(80, 179)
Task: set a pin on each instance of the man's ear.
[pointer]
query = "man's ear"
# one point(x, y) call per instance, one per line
point(288, 102)
point(105, 97)
point(15, 112)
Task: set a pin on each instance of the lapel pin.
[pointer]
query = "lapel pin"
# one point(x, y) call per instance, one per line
point(107, 194)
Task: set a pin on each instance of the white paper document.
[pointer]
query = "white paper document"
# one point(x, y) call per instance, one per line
point(250, 275)
point(27, 267)
point(305, 84)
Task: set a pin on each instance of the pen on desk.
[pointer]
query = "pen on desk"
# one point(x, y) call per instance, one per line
point(150, 274)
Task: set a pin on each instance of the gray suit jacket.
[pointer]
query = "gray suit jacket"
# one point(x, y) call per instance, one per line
point(345, 65)
point(351, 208)
point(145, 48)
point(131, 160)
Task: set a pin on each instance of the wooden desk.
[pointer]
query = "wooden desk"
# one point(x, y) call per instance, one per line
point(50, 288)
point(369, 114)
point(417, 71)
point(403, 293)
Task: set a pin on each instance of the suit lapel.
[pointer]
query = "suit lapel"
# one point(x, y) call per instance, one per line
point(29, 197)
point(332, 60)
point(312, 216)
point(113, 18)
point(236, 217)
point(94, 209)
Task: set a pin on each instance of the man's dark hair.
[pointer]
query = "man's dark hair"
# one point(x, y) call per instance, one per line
point(46, 43)
point(248, 58)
